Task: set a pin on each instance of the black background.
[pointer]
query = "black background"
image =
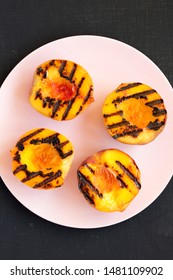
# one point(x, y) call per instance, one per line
point(144, 24)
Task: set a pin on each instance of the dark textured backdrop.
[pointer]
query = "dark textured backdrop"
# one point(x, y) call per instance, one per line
point(144, 24)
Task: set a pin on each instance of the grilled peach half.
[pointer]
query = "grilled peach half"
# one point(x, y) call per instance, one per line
point(134, 113)
point(61, 89)
point(42, 158)
point(109, 180)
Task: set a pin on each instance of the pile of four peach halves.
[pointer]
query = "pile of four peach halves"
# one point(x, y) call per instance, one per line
point(133, 113)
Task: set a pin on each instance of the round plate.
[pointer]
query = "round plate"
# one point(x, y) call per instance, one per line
point(110, 63)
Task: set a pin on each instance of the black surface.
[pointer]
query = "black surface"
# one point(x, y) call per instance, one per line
point(148, 26)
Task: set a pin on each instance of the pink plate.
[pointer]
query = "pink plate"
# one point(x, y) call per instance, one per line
point(109, 63)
